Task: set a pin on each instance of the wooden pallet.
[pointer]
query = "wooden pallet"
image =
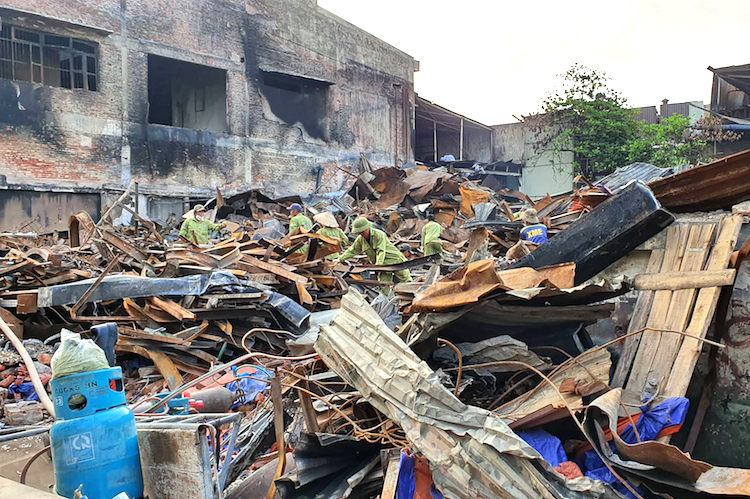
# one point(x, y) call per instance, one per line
point(668, 359)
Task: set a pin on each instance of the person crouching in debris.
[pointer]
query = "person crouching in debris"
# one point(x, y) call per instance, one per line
point(22, 388)
point(195, 229)
point(330, 228)
point(533, 231)
point(298, 220)
point(379, 250)
point(533, 235)
point(431, 243)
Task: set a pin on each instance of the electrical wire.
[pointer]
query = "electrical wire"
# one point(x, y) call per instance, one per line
point(460, 363)
point(572, 415)
point(576, 361)
point(176, 392)
point(28, 464)
point(260, 330)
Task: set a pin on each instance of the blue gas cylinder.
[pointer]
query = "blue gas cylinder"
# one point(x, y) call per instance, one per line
point(94, 440)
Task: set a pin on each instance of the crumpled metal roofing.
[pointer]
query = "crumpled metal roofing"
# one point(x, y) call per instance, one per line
point(472, 452)
point(636, 171)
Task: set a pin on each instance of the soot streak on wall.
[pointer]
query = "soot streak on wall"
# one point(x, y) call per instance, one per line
point(77, 139)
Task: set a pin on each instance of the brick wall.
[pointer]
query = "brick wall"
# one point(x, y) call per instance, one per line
point(74, 138)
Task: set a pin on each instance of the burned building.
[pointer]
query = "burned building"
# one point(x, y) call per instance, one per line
point(184, 97)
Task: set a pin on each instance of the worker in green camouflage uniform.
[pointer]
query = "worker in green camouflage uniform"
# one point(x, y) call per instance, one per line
point(298, 220)
point(195, 229)
point(431, 243)
point(330, 228)
point(379, 250)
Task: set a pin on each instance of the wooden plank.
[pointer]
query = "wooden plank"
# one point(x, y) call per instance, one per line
point(677, 235)
point(13, 322)
point(637, 322)
point(166, 368)
point(27, 303)
point(705, 307)
point(269, 267)
point(129, 332)
point(506, 209)
point(696, 253)
point(311, 420)
point(390, 483)
point(685, 280)
point(172, 308)
point(304, 296)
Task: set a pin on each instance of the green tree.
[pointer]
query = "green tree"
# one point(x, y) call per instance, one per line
point(669, 143)
point(674, 141)
point(590, 119)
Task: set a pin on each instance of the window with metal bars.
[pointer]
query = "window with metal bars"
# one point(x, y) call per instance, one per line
point(58, 61)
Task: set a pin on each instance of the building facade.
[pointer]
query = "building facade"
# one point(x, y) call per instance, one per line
point(544, 172)
point(187, 96)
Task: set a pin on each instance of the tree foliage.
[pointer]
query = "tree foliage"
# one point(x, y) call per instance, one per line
point(592, 120)
point(674, 141)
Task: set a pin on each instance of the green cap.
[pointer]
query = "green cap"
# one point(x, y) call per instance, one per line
point(360, 225)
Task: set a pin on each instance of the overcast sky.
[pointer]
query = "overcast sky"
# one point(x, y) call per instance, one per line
point(492, 59)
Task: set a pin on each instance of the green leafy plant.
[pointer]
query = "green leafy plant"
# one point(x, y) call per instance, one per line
point(588, 118)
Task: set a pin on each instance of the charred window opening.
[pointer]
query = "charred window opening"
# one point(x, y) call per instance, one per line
point(294, 99)
point(57, 61)
point(186, 95)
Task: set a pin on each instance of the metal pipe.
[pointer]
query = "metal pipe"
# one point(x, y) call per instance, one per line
point(23, 434)
point(38, 386)
point(434, 141)
point(461, 144)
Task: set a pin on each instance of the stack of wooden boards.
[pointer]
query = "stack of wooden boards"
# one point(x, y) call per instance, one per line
point(657, 360)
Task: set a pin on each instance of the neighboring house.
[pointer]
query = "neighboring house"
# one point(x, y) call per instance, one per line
point(694, 110)
point(186, 96)
point(730, 99)
point(543, 172)
point(440, 132)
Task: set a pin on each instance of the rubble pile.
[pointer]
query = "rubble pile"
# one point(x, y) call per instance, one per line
point(265, 362)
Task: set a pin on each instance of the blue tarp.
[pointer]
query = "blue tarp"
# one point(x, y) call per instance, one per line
point(546, 444)
point(671, 412)
point(26, 390)
point(407, 482)
point(251, 387)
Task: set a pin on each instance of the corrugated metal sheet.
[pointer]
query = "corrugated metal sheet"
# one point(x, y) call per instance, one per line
point(668, 110)
point(648, 114)
point(716, 185)
point(637, 171)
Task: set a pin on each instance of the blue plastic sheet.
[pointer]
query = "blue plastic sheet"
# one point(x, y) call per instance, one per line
point(671, 412)
point(546, 444)
point(25, 390)
point(407, 482)
point(251, 387)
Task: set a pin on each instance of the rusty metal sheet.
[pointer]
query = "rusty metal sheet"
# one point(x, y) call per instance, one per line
point(716, 185)
point(124, 246)
point(650, 460)
point(478, 279)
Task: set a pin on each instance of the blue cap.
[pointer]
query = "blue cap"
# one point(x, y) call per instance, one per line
point(295, 206)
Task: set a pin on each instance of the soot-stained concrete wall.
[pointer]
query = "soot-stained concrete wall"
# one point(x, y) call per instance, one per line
point(76, 139)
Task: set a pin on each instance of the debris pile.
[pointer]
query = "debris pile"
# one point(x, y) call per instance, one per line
point(423, 334)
